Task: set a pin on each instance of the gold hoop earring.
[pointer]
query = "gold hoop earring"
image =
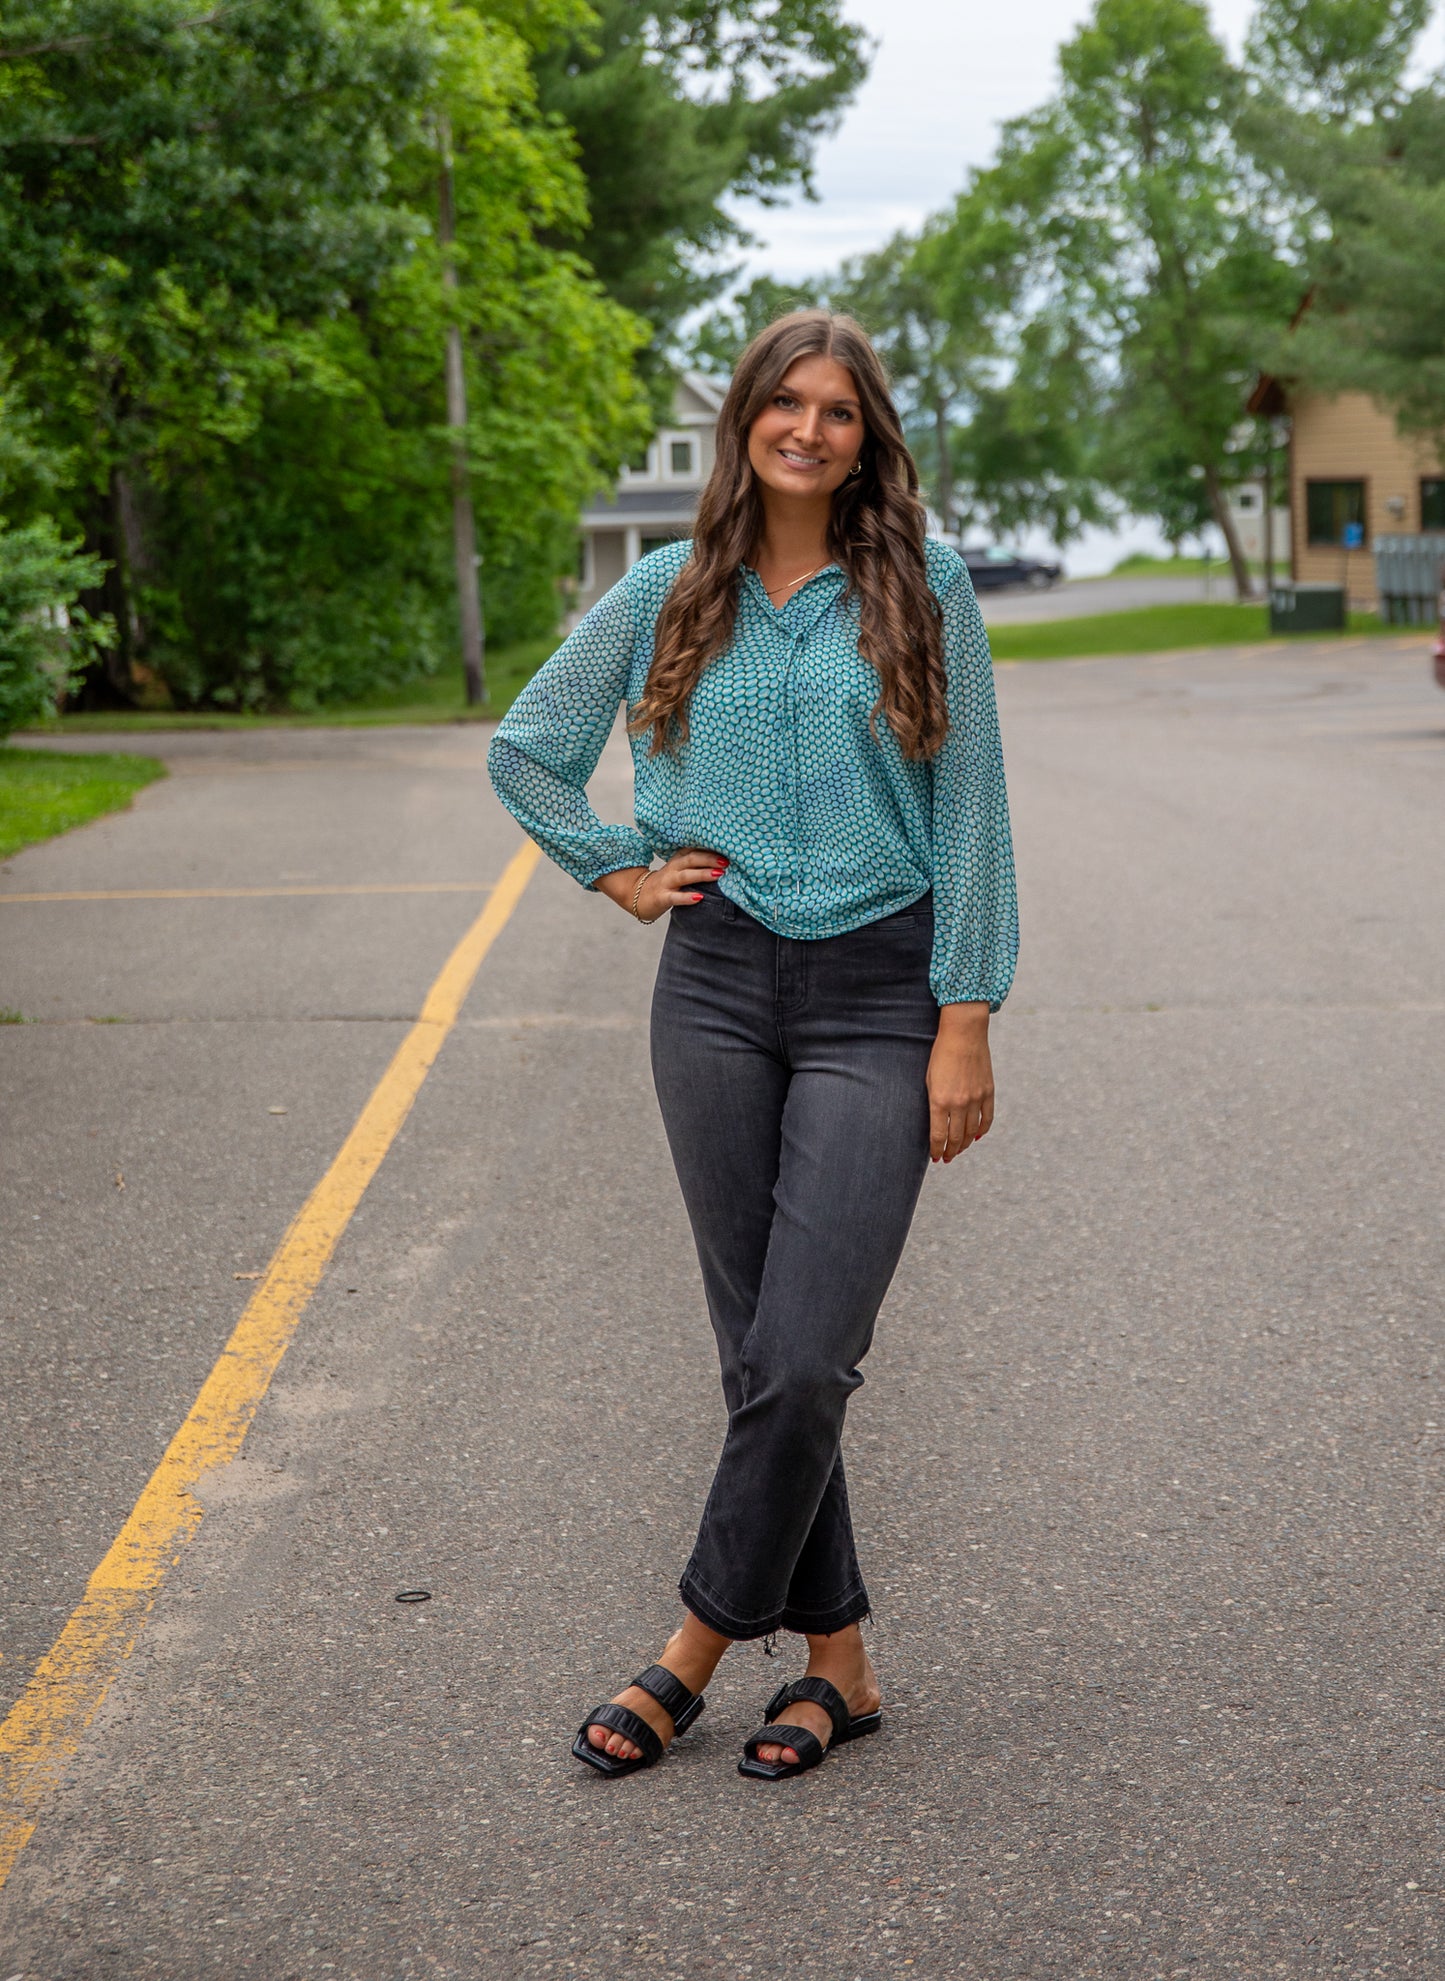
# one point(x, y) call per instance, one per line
point(857, 468)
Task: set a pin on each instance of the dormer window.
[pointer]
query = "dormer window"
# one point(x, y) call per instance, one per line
point(680, 455)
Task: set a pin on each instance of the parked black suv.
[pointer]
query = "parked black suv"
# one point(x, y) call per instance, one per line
point(992, 568)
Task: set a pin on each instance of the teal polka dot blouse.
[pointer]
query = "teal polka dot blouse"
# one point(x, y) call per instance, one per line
point(825, 827)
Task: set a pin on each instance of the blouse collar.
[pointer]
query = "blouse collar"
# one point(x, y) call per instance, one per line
point(819, 590)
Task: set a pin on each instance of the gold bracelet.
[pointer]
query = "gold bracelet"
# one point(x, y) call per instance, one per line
point(646, 920)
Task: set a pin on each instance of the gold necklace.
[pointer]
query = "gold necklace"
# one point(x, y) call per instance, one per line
point(793, 583)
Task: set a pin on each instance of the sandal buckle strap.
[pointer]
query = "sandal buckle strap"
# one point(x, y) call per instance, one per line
point(818, 1692)
point(667, 1689)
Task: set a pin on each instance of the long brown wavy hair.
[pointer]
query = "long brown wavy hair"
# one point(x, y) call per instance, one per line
point(875, 534)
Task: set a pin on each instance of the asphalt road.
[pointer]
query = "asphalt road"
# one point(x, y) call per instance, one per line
point(1147, 1466)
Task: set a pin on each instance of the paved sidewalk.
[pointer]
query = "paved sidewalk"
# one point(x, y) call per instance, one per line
point(1147, 1465)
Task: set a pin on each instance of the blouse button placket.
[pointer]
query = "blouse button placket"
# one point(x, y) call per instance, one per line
point(792, 776)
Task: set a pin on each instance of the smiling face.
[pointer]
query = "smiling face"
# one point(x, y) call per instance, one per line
point(810, 432)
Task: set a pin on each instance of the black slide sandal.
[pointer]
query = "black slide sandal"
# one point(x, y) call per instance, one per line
point(674, 1698)
point(805, 1744)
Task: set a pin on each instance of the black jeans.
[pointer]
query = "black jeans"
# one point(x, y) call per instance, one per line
point(791, 1077)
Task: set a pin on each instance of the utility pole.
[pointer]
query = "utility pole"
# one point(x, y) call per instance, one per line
point(464, 529)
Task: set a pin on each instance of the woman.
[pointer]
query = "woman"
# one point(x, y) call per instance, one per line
point(817, 768)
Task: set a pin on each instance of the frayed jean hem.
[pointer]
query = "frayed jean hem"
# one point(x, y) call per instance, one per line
point(820, 1623)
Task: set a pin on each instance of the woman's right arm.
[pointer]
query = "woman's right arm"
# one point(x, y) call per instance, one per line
point(549, 741)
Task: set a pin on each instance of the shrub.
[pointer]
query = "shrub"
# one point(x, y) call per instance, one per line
point(45, 638)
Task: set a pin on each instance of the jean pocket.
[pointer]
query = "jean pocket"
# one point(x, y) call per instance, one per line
point(713, 902)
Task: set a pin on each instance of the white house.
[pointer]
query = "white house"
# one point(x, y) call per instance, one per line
point(654, 500)
point(1246, 503)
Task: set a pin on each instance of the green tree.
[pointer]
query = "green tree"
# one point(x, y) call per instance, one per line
point(1032, 455)
point(680, 108)
point(1144, 230)
point(1368, 196)
point(250, 381)
point(1340, 59)
point(717, 340)
point(988, 388)
point(938, 334)
point(326, 567)
point(153, 240)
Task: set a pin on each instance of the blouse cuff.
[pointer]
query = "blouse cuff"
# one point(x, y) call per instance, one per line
point(624, 848)
point(965, 993)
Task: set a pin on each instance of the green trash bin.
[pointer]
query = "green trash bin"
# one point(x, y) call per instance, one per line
point(1307, 609)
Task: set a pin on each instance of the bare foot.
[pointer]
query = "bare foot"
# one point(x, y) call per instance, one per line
point(691, 1654)
point(842, 1660)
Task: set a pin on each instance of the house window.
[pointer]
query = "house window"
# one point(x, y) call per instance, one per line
point(1331, 507)
point(680, 455)
point(1432, 503)
point(657, 543)
point(1247, 499)
point(640, 462)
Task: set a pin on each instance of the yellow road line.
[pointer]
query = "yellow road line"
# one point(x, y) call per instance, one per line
point(44, 1728)
point(253, 893)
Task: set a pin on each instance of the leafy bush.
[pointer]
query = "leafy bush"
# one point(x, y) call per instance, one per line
point(45, 639)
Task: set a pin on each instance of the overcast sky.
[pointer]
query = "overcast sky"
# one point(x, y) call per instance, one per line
point(945, 74)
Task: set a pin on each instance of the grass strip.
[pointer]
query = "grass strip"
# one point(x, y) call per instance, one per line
point(1142, 565)
point(43, 792)
point(1148, 629)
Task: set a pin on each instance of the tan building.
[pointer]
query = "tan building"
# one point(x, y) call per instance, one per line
point(1353, 477)
point(656, 495)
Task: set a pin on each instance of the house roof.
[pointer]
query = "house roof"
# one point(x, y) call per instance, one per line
point(1270, 397)
point(711, 391)
point(640, 505)
point(696, 400)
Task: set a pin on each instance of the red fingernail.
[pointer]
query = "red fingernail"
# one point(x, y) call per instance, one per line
point(717, 873)
point(697, 897)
